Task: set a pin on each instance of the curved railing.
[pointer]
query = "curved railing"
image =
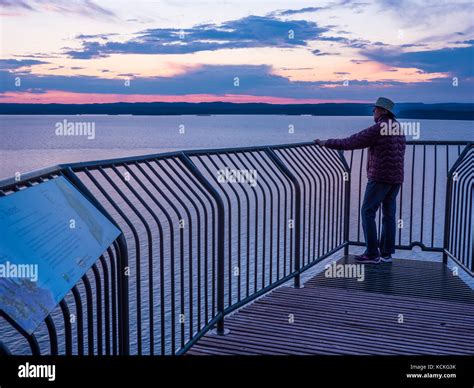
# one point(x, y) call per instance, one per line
point(205, 232)
point(421, 203)
point(92, 318)
point(219, 242)
point(459, 217)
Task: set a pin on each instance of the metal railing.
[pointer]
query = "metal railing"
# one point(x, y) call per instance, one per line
point(421, 202)
point(459, 216)
point(92, 317)
point(216, 245)
point(198, 242)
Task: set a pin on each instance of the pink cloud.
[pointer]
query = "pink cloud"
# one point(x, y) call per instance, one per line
point(54, 96)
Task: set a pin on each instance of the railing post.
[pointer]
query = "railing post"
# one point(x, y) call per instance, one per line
point(347, 201)
point(449, 200)
point(124, 327)
point(297, 224)
point(124, 297)
point(189, 164)
point(447, 217)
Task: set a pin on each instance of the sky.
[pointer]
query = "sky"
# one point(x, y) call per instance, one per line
point(68, 51)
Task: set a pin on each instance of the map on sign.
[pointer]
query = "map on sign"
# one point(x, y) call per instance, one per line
point(50, 235)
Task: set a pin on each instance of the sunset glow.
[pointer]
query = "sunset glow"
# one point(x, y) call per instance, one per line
point(277, 52)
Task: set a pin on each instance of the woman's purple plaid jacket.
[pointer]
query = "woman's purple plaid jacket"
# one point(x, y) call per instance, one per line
point(386, 151)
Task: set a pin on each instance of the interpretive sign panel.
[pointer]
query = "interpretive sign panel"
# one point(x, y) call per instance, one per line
point(50, 235)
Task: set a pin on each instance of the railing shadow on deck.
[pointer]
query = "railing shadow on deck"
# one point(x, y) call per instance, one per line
point(205, 232)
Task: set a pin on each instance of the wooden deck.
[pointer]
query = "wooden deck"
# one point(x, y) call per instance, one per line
point(404, 308)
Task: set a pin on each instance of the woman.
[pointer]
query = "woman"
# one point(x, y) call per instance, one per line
point(385, 165)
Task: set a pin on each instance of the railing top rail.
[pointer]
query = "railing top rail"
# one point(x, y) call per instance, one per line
point(460, 159)
point(171, 154)
point(8, 183)
point(439, 142)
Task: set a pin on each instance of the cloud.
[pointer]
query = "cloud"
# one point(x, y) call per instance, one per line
point(359, 61)
point(214, 79)
point(427, 15)
point(468, 42)
point(457, 61)
point(142, 20)
point(410, 45)
point(219, 80)
point(38, 55)
point(352, 43)
point(356, 7)
point(319, 53)
point(96, 36)
point(13, 64)
point(86, 8)
point(298, 11)
point(248, 32)
point(16, 4)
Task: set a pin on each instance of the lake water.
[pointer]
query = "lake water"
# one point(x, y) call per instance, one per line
point(30, 142)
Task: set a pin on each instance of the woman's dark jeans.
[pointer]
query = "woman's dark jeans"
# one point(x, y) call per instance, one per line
point(377, 193)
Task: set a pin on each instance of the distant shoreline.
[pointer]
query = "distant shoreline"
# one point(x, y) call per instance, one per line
point(441, 111)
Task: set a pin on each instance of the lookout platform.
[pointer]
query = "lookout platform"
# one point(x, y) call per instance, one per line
point(407, 307)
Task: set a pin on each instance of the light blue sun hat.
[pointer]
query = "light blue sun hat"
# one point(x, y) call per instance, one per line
point(385, 103)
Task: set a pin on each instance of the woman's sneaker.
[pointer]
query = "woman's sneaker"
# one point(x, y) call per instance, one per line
point(364, 259)
point(386, 258)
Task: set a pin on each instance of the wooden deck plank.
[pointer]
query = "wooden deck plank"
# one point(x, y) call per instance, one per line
point(430, 280)
point(345, 316)
point(409, 325)
point(356, 332)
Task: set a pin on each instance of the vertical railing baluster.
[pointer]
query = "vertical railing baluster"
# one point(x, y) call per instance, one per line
point(297, 221)
point(123, 305)
point(347, 202)
point(188, 163)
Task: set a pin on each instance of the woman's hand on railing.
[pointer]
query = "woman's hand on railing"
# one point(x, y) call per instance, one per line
point(321, 143)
